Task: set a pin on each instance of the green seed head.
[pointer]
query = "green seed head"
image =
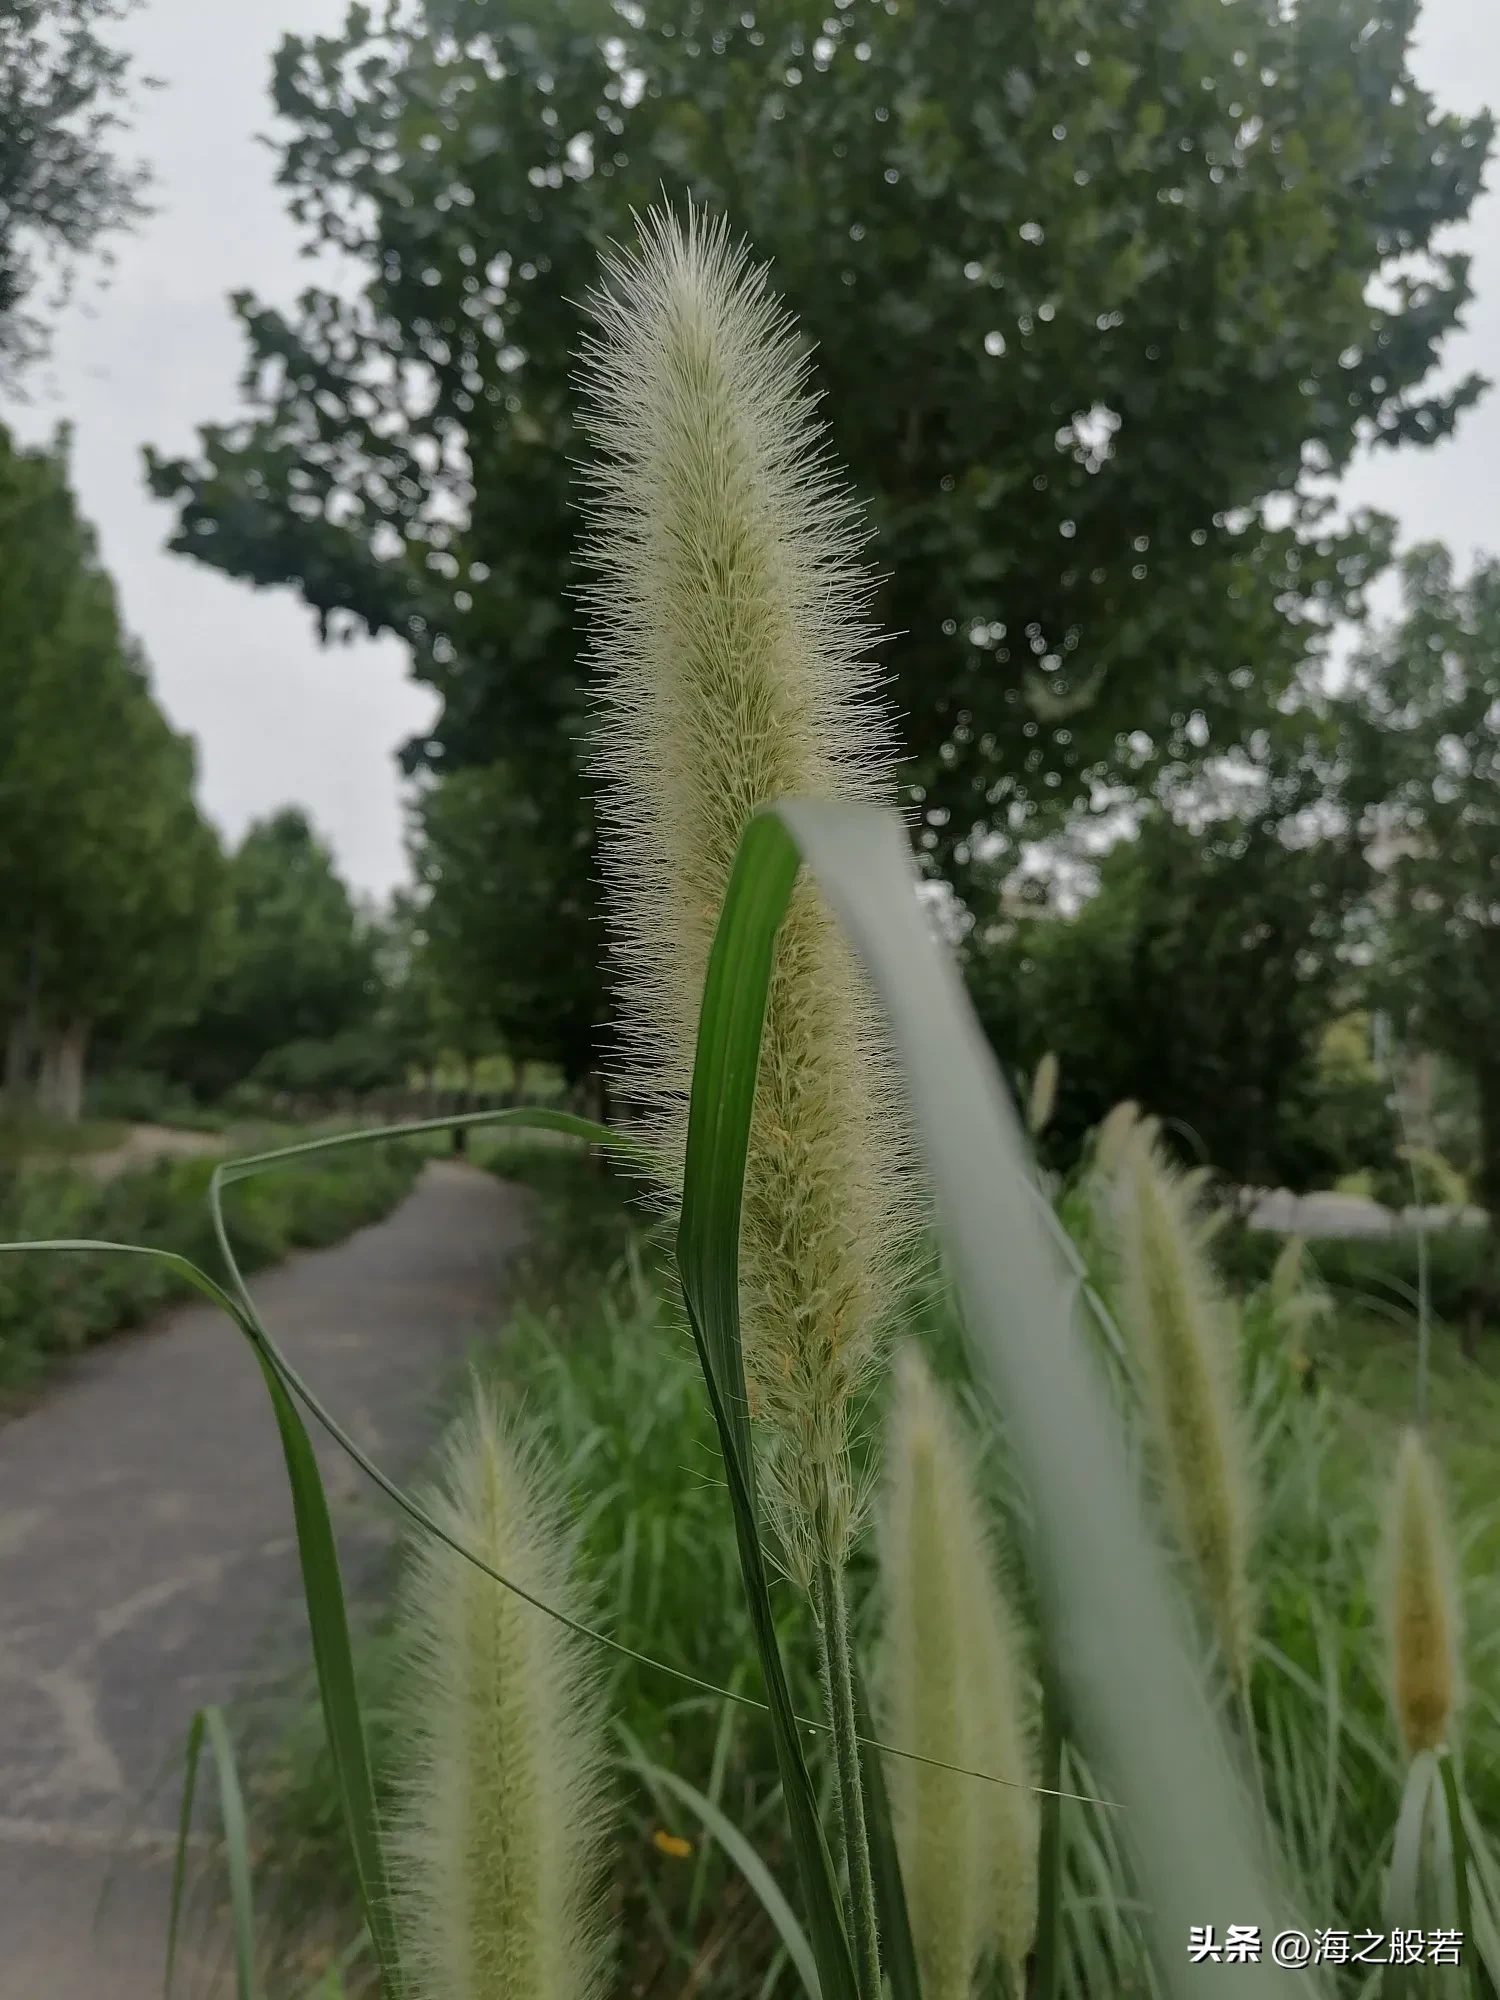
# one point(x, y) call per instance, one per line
point(1423, 1620)
point(951, 1688)
point(1180, 1328)
point(501, 1800)
point(729, 637)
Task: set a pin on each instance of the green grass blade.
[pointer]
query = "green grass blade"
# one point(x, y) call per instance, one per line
point(1113, 1620)
point(1050, 1849)
point(237, 1850)
point(728, 1056)
point(328, 1623)
point(209, 1725)
point(179, 1858)
point(750, 1865)
point(898, 1955)
point(1458, 1842)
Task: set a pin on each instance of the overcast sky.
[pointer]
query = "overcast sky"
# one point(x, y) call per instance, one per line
point(276, 718)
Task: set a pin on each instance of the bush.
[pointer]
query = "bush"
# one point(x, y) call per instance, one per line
point(360, 1059)
point(1377, 1273)
point(51, 1306)
point(145, 1097)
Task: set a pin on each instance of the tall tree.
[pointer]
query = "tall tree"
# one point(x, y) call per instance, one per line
point(1421, 719)
point(511, 923)
point(1091, 284)
point(298, 964)
point(109, 877)
point(63, 189)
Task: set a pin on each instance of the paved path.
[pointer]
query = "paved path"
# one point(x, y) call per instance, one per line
point(147, 1560)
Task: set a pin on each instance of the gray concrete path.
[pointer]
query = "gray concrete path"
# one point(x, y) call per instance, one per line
point(147, 1561)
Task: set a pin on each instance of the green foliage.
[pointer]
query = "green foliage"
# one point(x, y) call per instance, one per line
point(51, 1307)
point(358, 1060)
point(297, 965)
point(144, 1096)
point(1375, 1275)
point(1086, 286)
point(62, 189)
point(1147, 994)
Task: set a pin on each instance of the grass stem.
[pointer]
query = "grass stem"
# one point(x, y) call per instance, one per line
point(833, 1641)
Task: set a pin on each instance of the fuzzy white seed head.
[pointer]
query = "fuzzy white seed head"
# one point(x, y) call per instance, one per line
point(1181, 1330)
point(729, 635)
point(1421, 1602)
point(951, 1689)
point(502, 1806)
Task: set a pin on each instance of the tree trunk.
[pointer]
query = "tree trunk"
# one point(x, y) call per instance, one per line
point(60, 1090)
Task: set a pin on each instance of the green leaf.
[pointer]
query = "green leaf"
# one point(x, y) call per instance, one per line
point(1113, 1623)
point(708, 1237)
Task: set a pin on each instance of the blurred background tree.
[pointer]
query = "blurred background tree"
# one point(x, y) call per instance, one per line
point(109, 877)
point(1201, 979)
point(63, 189)
point(297, 968)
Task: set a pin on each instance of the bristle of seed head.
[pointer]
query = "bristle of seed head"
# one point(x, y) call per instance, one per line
point(951, 1689)
point(1421, 1602)
point(1180, 1327)
point(729, 632)
point(501, 1798)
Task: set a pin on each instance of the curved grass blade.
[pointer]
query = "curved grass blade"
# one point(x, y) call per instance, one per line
point(750, 1865)
point(323, 1592)
point(209, 1723)
point(1113, 1621)
point(534, 1117)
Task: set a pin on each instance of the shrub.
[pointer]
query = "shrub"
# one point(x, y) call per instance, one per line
point(51, 1307)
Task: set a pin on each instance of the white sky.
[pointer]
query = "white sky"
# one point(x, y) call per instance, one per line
point(277, 719)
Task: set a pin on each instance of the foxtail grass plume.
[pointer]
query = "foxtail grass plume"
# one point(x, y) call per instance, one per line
point(501, 1798)
point(1179, 1325)
point(728, 639)
point(1043, 1096)
point(951, 1690)
point(1421, 1603)
point(1115, 1132)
